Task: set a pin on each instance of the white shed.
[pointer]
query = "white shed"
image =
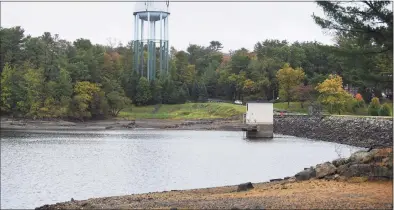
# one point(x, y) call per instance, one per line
point(259, 120)
point(259, 113)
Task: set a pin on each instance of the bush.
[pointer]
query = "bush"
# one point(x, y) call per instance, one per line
point(374, 106)
point(385, 110)
point(351, 105)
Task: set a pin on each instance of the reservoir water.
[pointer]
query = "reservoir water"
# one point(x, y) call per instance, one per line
point(46, 167)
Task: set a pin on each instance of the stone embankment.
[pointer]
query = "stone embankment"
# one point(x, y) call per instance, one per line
point(376, 164)
point(362, 181)
point(356, 131)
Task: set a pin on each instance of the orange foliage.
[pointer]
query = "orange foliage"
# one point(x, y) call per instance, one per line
point(358, 97)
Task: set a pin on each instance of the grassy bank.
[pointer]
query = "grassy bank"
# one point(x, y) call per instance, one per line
point(296, 107)
point(205, 111)
point(184, 111)
point(293, 107)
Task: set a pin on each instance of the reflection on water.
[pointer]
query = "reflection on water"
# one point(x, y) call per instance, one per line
point(44, 167)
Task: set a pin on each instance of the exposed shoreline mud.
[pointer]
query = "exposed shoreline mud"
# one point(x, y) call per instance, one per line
point(313, 194)
point(115, 124)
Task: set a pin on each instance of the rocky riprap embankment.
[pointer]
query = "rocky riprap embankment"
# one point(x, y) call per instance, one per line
point(376, 164)
point(355, 131)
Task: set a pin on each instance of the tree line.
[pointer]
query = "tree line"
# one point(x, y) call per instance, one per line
point(47, 77)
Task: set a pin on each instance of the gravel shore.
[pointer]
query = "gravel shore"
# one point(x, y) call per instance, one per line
point(311, 194)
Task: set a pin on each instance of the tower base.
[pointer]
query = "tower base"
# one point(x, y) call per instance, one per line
point(259, 131)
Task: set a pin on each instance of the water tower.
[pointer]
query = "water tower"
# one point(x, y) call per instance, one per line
point(151, 37)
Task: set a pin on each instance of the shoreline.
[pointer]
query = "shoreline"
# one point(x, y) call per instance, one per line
point(313, 194)
point(362, 181)
point(118, 124)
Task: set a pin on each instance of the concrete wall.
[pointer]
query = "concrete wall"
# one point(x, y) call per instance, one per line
point(262, 131)
point(355, 131)
point(260, 113)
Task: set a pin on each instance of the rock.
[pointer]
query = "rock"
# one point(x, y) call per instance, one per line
point(325, 169)
point(342, 168)
point(355, 170)
point(286, 178)
point(305, 174)
point(382, 171)
point(340, 161)
point(332, 177)
point(245, 187)
point(275, 180)
point(360, 157)
point(109, 127)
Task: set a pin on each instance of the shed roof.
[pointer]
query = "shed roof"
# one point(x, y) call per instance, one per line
point(260, 102)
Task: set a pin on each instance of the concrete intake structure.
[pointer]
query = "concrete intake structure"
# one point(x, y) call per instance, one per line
point(259, 120)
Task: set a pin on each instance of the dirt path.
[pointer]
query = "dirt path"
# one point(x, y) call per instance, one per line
point(317, 194)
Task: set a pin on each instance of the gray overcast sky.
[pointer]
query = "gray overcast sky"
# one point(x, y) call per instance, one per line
point(235, 25)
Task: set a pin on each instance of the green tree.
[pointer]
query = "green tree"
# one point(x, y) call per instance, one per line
point(155, 89)
point(13, 93)
point(143, 95)
point(117, 102)
point(367, 20)
point(35, 90)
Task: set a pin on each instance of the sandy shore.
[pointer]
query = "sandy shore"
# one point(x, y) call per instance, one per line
point(115, 124)
point(311, 194)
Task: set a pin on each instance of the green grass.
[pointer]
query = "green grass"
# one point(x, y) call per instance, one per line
point(208, 111)
point(296, 107)
point(293, 107)
point(184, 111)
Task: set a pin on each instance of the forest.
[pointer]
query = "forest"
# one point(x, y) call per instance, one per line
point(48, 77)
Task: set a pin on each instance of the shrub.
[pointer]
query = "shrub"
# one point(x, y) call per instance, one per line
point(351, 105)
point(374, 106)
point(385, 110)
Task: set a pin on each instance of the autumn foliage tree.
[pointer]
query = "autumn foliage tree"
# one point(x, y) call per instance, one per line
point(303, 93)
point(359, 100)
point(289, 79)
point(332, 94)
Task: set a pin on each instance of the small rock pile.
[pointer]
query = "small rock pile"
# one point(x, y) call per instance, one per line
point(376, 164)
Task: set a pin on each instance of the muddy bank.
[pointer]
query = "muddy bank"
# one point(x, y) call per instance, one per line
point(114, 124)
point(362, 181)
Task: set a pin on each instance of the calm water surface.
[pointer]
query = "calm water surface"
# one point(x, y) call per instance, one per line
point(45, 167)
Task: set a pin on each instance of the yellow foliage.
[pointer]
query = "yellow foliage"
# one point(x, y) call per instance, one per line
point(333, 94)
point(86, 89)
point(249, 85)
point(288, 79)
